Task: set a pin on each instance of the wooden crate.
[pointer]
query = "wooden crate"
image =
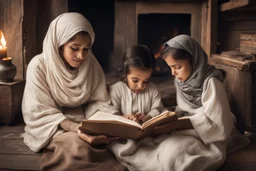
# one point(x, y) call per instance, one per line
point(10, 101)
point(240, 83)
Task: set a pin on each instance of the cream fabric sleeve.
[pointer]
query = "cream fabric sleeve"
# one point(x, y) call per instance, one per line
point(213, 121)
point(156, 102)
point(40, 113)
point(115, 96)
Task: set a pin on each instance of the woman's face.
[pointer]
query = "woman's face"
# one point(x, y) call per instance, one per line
point(77, 49)
point(181, 69)
point(138, 79)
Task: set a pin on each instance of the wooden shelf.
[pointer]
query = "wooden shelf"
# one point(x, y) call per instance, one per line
point(232, 4)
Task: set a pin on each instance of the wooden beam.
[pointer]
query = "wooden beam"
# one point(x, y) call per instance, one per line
point(209, 27)
point(29, 32)
point(233, 4)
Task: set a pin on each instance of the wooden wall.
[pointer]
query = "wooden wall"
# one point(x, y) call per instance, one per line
point(125, 33)
point(232, 23)
point(24, 23)
point(11, 17)
point(29, 32)
point(47, 10)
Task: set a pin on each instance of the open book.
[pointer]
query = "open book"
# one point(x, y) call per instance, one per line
point(114, 125)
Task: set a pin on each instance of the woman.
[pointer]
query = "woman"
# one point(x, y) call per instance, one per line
point(198, 140)
point(65, 84)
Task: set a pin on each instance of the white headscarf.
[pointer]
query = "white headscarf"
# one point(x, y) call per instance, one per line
point(71, 89)
point(191, 90)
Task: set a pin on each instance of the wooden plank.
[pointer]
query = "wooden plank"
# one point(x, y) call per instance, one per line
point(125, 33)
point(240, 65)
point(53, 8)
point(248, 36)
point(209, 27)
point(18, 128)
point(233, 4)
point(29, 29)
point(248, 42)
point(237, 16)
point(239, 26)
point(242, 159)
point(15, 147)
point(19, 162)
point(14, 154)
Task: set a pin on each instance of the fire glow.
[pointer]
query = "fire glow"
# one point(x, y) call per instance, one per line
point(3, 48)
point(2, 42)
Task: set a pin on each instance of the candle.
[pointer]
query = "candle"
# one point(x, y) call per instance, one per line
point(3, 48)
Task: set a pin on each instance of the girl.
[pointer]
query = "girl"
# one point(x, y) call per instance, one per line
point(135, 97)
point(198, 140)
point(65, 84)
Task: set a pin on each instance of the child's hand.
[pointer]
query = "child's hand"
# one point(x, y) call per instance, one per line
point(132, 117)
point(145, 118)
point(142, 117)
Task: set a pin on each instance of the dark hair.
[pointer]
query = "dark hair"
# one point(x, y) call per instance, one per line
point(81, 32)
point(179, 54)
point(138, 56)
point(73, 38)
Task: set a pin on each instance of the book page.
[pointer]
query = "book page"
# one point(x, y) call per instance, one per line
point(102, 116)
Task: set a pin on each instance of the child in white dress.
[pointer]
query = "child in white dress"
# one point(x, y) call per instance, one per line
point(135, 97)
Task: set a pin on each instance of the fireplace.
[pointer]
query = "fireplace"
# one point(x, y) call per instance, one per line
point(123, 23)
point(152, 23)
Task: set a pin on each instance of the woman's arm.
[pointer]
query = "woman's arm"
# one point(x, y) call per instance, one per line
point(72, 126)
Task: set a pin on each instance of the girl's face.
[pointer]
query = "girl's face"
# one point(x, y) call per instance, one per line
point(77, 49)
point(181, 69)
point(138, 79)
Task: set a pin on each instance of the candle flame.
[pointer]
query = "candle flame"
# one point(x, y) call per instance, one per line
point(2, 42)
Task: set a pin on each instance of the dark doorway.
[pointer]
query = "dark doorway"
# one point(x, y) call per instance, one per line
point(155, 29)
point(101, 16)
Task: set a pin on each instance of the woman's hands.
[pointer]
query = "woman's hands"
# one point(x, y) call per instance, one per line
point(97, 139)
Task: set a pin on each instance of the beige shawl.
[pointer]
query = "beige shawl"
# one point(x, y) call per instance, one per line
point(52, 92)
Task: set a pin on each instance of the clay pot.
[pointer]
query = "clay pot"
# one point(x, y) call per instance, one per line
point(7, 70)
